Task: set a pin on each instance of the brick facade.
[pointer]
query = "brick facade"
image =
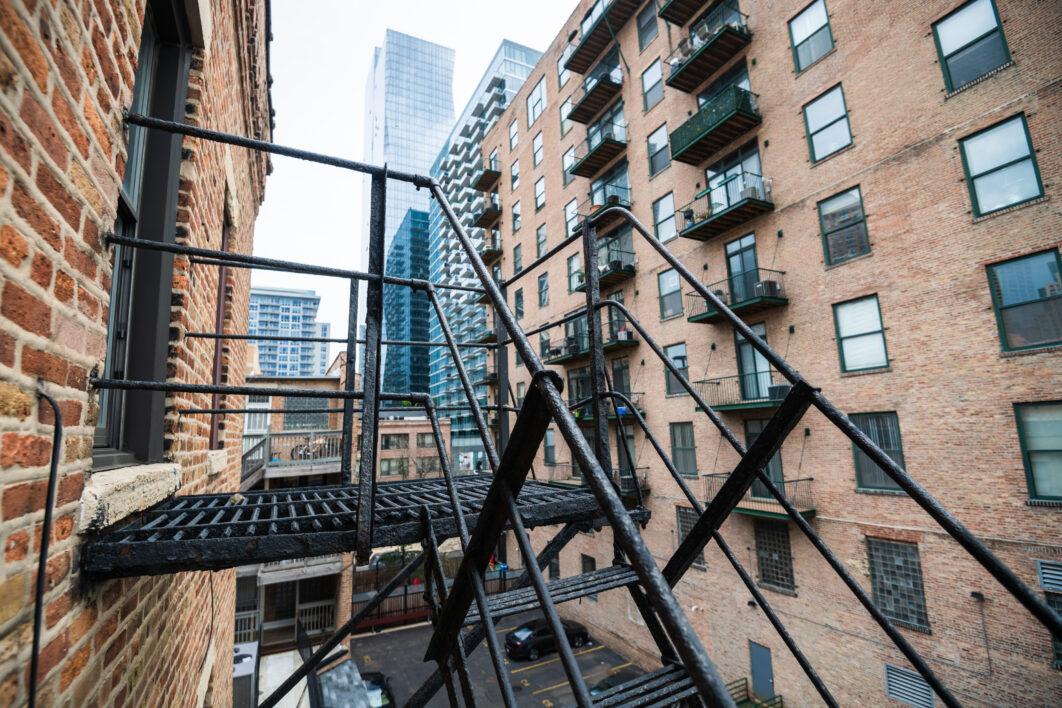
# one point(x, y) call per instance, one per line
point(948, 379)
point(66, 74)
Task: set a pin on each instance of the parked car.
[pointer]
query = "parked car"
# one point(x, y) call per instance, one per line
point(379, 687)
point(533, 639)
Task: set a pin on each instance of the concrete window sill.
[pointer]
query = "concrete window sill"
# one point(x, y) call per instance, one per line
point(111, 496)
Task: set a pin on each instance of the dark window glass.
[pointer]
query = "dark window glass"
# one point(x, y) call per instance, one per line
point(1040, 428)
point(549, 450)
point(677, 354)
point(884, 430)
point(687, 517)
point(659, 157)
point(646, 25)
point(971, 43)
point(1027, 295)
point(844, 228)
point(773, 557)
point(896, 579)
point(540, 241)
point(518, 303)
point(589, 564)
point(305, 421)
point(683, 448)
point(543, 290)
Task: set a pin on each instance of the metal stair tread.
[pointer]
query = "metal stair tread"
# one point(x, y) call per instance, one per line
point(562, 590)
point(662, 687)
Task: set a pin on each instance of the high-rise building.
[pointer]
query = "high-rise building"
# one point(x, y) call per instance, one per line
point(874, 191)
point(323, 349)
point(406, 309)
point(457, 168)
point(276, 312)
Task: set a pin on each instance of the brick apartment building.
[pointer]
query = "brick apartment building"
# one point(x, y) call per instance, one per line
point(873, 187)
point(71, 172)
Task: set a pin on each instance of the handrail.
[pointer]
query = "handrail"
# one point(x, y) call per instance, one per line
point(703, 32)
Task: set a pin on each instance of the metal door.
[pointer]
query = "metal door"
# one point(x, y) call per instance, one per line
point(762, 673)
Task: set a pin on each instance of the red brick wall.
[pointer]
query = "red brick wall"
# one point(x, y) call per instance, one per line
point(66, 72)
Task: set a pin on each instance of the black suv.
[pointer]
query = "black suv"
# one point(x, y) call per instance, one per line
point(534, 638)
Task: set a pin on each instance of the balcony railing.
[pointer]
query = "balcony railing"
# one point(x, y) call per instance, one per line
point(487, 336)
point(312, 449)
point(753, 290)
point(488, 213)
point(679, 12)
point(759, 389)
point(486, 176)
point(599, 24)
point(759, 502)
point(568, 348)
point(483, 376)
point(718, 123)
point(604, 196)
point(483, 298)
point(490, 250)
point(600, 148)
point(712, 42)
point(596, 91)
point(585, 412)
point(614, 264)
point(719, 208)
point(247, 626)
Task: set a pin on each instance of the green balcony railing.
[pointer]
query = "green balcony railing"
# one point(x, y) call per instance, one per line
point(751, 290)
point(757, 501)
point(724, 205)
point(757, 389)
point(600, 86)
point(711, 43)
point(603, 143)
point(728, 115)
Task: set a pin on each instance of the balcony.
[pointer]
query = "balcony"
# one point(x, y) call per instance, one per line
point(758, 389)
point(490, 250)
point(601, 147)
point(679, 12)
point(570, 348)
point(487, 336)
point(584, 414)
point(486, 176)
point(596, 92)
point(751, 291)
point(605, 196)
point(715, 210)
point(290, 454)
point(599, 24)
point(713, 42)
point(483, 298)
point(723, 119)
point(759, 502)
point(614, 265)
point(485, 376)
point(488, 213)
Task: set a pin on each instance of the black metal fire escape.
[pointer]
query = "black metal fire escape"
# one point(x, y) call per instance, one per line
point(200, 532)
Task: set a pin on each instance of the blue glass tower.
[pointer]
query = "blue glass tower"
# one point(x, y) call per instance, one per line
point(405, 309)
point(460, 157)
point(276, 312)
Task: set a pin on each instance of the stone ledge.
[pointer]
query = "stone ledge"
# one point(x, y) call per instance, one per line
point(113, 495)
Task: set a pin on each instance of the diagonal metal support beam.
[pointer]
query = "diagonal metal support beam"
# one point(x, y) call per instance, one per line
point(767, 444)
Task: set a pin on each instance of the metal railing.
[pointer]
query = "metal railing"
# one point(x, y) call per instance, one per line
point(574, 344)
point(317, 617)
point(738, 289)
point(608, 194)
point(717, 198)
point(703, 32)
point(299, 448)
point(491, 244)
point(728, 101)
point(247, 626)
point(612, 74)
point(797, 491)
point(598, 135)
point(756, 387)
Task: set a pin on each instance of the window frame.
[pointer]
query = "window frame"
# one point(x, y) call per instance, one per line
point(860, 484)
point(815, 159)
point(425, 436)
point(540, 191)
point(871, 565)
point(536, 97)
point(543, 290)
point(514, 175)
point(647, 90)
point(536, 149)
point(672, 218)
point(514, 134)
point(541, 245)
point(1030, 480)
point(675, 449)
point(762, 528)
point(516, 216)
point(840, 339)
point(518, 259)
point(948, 85)
point(518, 303)
point(643, 40)
point(699, 561)
point(661, 294)
point(793, 45)
point(684, 369)
point(665, 149)
point(826, 234)
point(1030, 156)
point(998, 307)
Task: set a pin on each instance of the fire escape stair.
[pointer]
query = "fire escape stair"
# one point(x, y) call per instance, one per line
point(563, 590)
point(663, 687)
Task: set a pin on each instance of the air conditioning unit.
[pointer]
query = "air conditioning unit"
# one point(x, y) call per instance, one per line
point(778, 392)
point(612, 199)
point(609, 136)
point(245, 675)
point(767, 288)
point(751, 192)
point(721, 294)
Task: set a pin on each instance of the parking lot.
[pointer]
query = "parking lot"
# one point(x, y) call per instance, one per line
point(399, 655)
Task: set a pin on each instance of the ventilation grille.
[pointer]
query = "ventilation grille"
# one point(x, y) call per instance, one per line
point(907, 687)
point(1050, 575)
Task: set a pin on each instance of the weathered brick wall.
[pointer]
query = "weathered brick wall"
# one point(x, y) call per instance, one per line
point(66, 72)
point(949, 382)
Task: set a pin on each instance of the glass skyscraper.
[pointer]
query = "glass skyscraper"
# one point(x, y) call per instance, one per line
point(276, 312)
point(405, 309)
point(458, 159)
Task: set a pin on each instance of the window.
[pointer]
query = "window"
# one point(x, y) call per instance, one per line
point(970, 43)
point(562, 73)
point(677, 354)
point(589, 564)
point(543, 290)
point(130, 424)
point(827, 122)
point(516, 216)
point(1040, 433)
point(683, 449)
point(514, 174)
point(773, 557)
point(1051, 580)
point(257, 423)
point(664, 217)
point(646, 25)
point(670, 294)
point(575, 273)
point(540, 241)
point(517, 359)
point(554, 568)
point(394, 441)
point(549, 450)
point(571, 217)
point(1027, 296)
point(844, 227)
point(543, 344)
point(860, 334)
point(568, 162)
point(518, 303)
point(1000, 166)
point(518, 258)
point(536, 101)
point(652, 85)
point(425, 440)
point(884, 430)
point(536, 148)
point(687, 517)
point(494, 159)
point(908, 687)
point(896, 579)
point(428, 465)
point(811, 35)
point(566, 122)
point(540, 193)
point(396, 466)
point(514, 137)
point(316, 420)
point(659, 157)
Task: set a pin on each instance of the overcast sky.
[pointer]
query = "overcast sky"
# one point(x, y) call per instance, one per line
point(320, 58)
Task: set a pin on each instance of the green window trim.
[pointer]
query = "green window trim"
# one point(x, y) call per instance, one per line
point(540, 193)
point(840, 339)
point(540, 241)
point(543, 290)
point(682, 363)
point(896, 453)
point(949, 84)
point(516, 216)
point(654, 169)
point(536, 148)
point(514, 135)
point(823, 128)
point(1031, 156)
point(1026, 453)
point(999, 308)
point(652, 89)
point(858, 225)
point(796, 47)
point(659, 219)
point(667, 313)
point(565, 122)
point(678, 431)
point(514, 175)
